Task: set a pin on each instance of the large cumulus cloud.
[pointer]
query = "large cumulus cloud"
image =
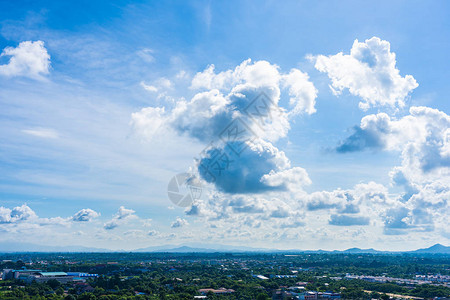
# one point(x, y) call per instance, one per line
point(238, 114)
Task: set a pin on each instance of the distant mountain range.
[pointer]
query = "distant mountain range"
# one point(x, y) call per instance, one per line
point(438, 248)
point(7, 247)
point(27, 247)
point(204, 248)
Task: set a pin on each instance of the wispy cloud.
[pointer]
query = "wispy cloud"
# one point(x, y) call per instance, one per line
point(46, 133)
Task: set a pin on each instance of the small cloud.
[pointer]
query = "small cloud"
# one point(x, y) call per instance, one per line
point(292, 224)
point(152, 233)
point(122, 216)
point(179, 222)
point(85, 215)
point(149, 88)
point(169, 236)
point(343, 220)
point(54, 221)
point(111, 224)
point(159, 86)
point(164, 83)
point(182, 75)
point(135, 233)
point(29, 59)
point(124, 213)
point(46, 133)
point(147, 222)
point(146, 55)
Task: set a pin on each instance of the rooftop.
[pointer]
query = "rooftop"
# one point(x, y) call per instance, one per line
point(53, 273)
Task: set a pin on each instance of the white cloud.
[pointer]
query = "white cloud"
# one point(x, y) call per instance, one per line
point(367, 197)
point(56, 221)
point(124, 213)
point(134, 233)
point(292, 178)
point(348, 220)
point(261, 74)
point(29, 59)
point(150, 88)
point(111, 224)
point(5, 215)
point(182, 75)
point(146, 222)
point(249, 87)
point(152, 233)
point(85, 215)
point(207, 79)
point(148, 122)
point(260, 212)
point(202, 117)
point(160, 87)
point(46, 133)
point(179, 222)
point(302, 91)
point(370, 72)
point(246, 172)
point(122, 216)
point(327, 200)
point(146, 55)
point(421, 136)
point(164, 83)
point(17, 214)
point(23, 217)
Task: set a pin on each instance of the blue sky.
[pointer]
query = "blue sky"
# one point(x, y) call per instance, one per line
point(102, 104)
